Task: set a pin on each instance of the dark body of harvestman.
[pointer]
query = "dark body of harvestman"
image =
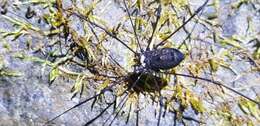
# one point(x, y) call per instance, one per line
point(161, 59)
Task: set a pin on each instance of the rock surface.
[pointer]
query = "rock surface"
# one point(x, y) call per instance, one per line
point(28, 100)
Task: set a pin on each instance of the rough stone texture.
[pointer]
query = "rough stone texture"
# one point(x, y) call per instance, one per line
point(29, 101)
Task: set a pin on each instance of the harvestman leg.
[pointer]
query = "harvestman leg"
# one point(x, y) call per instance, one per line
point(185, 22)
point(137, 112)
point(216, 83)
point(133, 26)
point(91, 121)
point(154, 25)
point(129, 113)
point(79, 104)
point(123, 104)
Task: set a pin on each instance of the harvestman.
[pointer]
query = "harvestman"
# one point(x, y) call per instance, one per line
point(151, 60)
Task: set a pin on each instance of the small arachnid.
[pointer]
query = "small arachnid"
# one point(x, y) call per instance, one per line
point(161, 59)
point(165, 96)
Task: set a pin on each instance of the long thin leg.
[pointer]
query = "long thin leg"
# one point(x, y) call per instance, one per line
point(184, 117)
point(137, 113)
point(121, 102)
point(92, 120)
point(216, 83)
point(160, 109)
point(110, 104)
point(133, 85)
point(133, 26)
point(158, 15)
point(175, 119)
point(118, 111)
point(185, 22)
point(81, 103)
point(129, 113)
point(77, 105)
point(107, 32)
point(92, 30)
point(101, 113)
point(160, 102)
point(189, 34)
